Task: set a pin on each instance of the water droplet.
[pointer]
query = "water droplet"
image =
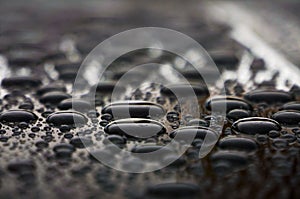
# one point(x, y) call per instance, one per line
point(230, 103)
point(26, 106)
point(107, 117)
point(172, 116)
point(262, 139)
point(226, 161)
point(41, 144)
point(238, 143)
point(54, 97)
point(81, 142)
point(269, 97)
point(273, 134)
point(64, 128)
point(291, 106)
point(115, 139)
point(67, 118)
point(287, 118)
point(103, 123)
point(4, 138)
point(185, 133)
point(255, 125)
point(17, 116)
point(135, 128)
point(289, 137)
point(280, 143)
point(21, 82)
point(237, 114)
point(134, 109)
point(149, 149)
point(63, 150)
point(23, 125)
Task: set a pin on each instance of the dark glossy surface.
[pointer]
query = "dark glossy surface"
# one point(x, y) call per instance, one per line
point(45, 154)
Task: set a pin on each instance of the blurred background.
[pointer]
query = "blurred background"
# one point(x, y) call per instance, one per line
point(90, 22)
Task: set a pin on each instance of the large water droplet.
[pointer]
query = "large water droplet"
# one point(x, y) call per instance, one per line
point(135, 128)
point(66, 118)
point(134, 109)
point(287, 118)
point(255, 125)
point(16, 116)
point(269, 97)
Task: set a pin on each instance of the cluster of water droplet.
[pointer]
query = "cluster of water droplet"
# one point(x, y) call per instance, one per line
point(44, 133)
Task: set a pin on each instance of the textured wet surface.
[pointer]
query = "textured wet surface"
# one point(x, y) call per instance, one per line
point(45, 134)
